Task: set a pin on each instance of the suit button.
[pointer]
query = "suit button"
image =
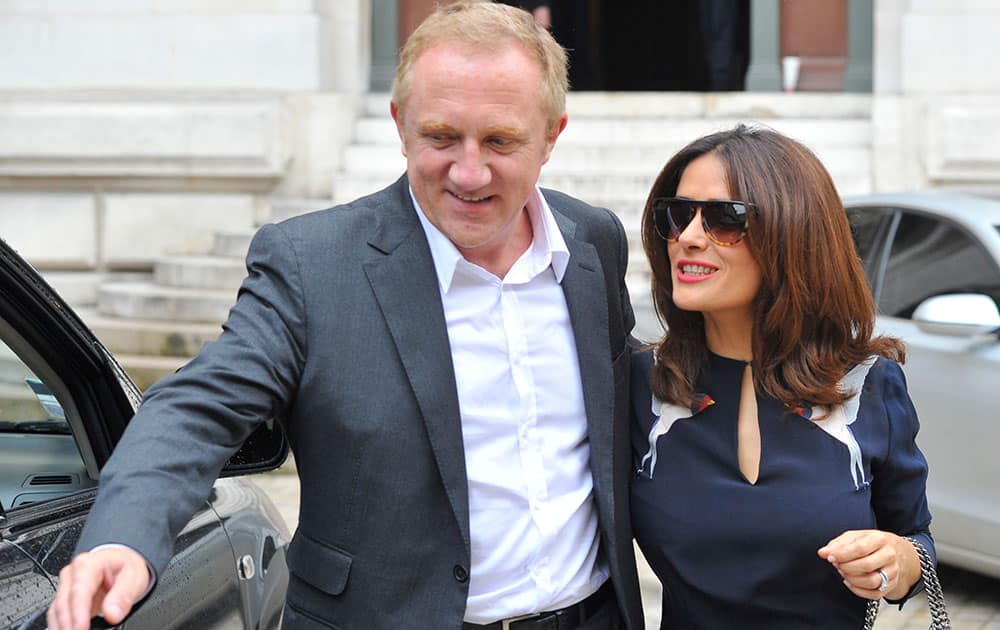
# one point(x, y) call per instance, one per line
point(461, 573)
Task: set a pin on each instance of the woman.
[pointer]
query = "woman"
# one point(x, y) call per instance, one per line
point(777, 472)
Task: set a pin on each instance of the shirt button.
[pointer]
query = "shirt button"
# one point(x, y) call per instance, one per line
point(461, 573)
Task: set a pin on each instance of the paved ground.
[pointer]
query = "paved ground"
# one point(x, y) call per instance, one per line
point(973, 600)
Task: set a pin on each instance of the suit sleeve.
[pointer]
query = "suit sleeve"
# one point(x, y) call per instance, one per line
point(191, 422)
point(899, 486)
point(628, 316)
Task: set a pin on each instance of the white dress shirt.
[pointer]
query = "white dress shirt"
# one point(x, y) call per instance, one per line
point(533, 521)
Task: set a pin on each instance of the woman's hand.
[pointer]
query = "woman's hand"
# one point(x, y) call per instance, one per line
point(860, 555)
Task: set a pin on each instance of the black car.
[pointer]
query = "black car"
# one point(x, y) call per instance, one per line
point(64, 403)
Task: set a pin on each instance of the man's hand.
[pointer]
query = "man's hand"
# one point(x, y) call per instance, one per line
point(104, 582)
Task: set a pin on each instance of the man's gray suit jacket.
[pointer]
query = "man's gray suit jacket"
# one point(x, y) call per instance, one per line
point(339, 332)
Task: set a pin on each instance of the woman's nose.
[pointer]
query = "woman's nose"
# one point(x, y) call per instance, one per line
point(693, 234)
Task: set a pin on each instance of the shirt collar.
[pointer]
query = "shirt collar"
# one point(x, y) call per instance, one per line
point(548, 247)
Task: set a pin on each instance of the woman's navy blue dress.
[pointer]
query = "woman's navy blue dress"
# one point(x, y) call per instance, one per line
point(732, 554)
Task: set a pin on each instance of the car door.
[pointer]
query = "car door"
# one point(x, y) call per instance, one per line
point(25, 590)
point(46, 491)
point(64, 403)
point(952, 379)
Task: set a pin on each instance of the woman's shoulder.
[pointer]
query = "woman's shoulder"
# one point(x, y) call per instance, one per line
point(884, 395)
point(643, 400)
point(884, 375)
point(643, 358)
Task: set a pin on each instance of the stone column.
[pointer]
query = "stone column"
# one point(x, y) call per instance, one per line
point(937, 95)
point(887, 46)
point(858, 75)
point(764, 74)
point(345, 45)
point(140, 127)
point(385, 43)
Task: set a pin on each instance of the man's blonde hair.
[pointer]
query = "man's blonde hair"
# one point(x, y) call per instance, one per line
point(487, 26)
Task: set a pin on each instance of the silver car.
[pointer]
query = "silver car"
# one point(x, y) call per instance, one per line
point(933, 261)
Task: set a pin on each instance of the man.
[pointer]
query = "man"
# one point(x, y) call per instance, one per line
point(448, 357)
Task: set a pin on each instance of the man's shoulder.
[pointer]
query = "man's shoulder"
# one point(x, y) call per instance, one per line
point(572, 207)
point(597, 225)
point(348, 220)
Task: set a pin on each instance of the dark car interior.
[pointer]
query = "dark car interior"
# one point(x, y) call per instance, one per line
point(39, 457)
point(927, 256)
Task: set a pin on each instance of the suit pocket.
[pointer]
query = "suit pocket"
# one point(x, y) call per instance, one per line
point(294, 618)
point(322, 566)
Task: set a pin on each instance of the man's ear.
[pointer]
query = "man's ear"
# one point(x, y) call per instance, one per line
point(553, 135)
point(397, 116)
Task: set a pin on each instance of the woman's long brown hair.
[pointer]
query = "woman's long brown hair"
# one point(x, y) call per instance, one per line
point(814, 315)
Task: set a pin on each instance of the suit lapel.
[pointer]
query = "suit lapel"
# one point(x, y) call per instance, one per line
point(583, 285)
point(406, 288)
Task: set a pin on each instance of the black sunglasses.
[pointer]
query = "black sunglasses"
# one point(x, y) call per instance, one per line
point(724, 222)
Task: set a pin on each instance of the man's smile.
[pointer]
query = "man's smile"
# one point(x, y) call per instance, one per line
point(470, 199)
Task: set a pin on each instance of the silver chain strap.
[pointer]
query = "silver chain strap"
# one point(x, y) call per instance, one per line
point(935, 597)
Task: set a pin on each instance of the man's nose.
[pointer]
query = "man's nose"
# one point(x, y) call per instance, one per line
point(470, 170)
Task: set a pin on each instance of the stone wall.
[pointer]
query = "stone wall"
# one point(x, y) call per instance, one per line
point(134, 128)
point(936, 114)
point(130, 129)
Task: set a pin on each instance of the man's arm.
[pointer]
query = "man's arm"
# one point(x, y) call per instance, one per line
point(628, 316)
point(188, 426)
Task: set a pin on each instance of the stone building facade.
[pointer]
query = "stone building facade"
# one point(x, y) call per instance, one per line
point(130, 129)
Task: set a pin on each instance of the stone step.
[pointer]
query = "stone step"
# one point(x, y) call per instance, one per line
point(690, 104)
point(150, 301)
point(146, 370)
point(628, 207)
point(638, 266)
point(671, 135)
point(232, 243)
point(79, 288)
point(631, 189)
point(636, 255)
point(590, 159)
point(816, 133)
point(200, 272)
point(647, 326)
point(282, 209)
point(161, 338)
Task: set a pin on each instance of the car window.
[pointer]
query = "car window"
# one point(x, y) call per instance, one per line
point(869, 227)
point(18, 401)
point(865, 223)
point(931, 257)
point(39, 459)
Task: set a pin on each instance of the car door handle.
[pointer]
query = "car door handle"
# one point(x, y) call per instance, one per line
point(245, 567)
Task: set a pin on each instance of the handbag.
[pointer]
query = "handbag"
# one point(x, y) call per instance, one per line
point(935, 597)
